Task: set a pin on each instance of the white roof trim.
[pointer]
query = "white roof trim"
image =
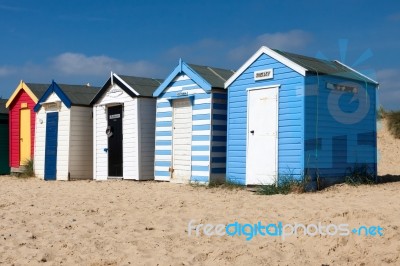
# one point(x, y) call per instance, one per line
point(126, 84)
point(265, 50)
point(352, 69)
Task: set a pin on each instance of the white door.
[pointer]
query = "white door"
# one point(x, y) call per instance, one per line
point(182, 141)
point(262, 131)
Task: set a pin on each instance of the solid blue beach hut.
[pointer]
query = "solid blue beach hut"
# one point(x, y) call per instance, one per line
point(295, 116)
point(190, 141)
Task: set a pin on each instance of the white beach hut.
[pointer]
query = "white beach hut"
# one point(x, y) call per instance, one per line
point(63, 141)
point(124, 128)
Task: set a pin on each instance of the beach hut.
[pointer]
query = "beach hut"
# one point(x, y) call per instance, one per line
point(64, 133)
point(123, 128)
point(22, 123)
point(4, 167)
point(191, 125)
point(296, 116)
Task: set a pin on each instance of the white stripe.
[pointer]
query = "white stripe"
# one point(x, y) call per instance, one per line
point(161, 168)
point(201, 132)
point(163, 129)
point(201, 101)
point(164, 109)
point(164, 119)
point(200, 153)
point(201, 163)
point(202, 112)
point(162, 100)
point(200, 173)
point(163, 148)
point(162, 178)
point(181, 77)
point(173, 89)
point(201, 122)
point(196, 91)
point(163, 138)
point(162, 157)
point(200, 143)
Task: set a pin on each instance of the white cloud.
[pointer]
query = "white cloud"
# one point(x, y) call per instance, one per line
point(290, 41)
point(6, 71)
point(389, 93)
point(76, 64)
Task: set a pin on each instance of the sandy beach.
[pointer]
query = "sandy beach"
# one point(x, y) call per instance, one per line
point(147, 223)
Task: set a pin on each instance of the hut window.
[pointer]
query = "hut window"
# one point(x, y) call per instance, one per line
point(342, 88)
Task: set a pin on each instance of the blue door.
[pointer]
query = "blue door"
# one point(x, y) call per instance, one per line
point(50, 160)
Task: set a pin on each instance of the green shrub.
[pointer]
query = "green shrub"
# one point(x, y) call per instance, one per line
point(380, 113)
point(360, 174)
point(226, 184)
point(284, 185)
point(393, 119)
point(28, 169)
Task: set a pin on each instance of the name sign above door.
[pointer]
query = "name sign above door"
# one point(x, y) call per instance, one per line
point(264, 74)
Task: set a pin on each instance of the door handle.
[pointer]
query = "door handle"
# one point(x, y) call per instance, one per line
point(252, 131)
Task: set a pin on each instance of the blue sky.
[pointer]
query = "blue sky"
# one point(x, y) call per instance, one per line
point(82, 41)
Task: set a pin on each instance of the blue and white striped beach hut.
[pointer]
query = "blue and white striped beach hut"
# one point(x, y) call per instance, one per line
point(191, 125)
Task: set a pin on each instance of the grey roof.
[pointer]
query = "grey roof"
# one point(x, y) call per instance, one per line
point(79, 94)
point(215, 76)
point(144, 86)
point(3, 109)
point(37, 88)
point(320, 66)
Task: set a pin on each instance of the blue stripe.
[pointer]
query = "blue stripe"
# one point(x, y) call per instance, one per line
point(201, 127)
point(202, 95)
point(200, 148)
point(164, 124)
point(164, 133)
point(219, 95)
point(218, 170)
point(163, 142)
point(163, 152)
point(180, 83)
point(218, 159)
point(219, 127)
point(218, 149)
point(201, 106)
point(161, 173)
point(201, 138)
point(219, 106)
point(164, 114)
point(219, 117)
point(163, 163)
point(219, 138)
point(199, 178)
point(163, 104)
point(200, 158)
point(199, 168)
point(201, 117)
